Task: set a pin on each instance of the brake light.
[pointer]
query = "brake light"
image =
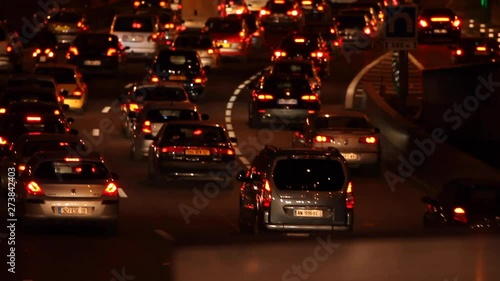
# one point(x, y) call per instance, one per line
point(77, 92)
point(179, 6)
point(242, 34)
point(33, 119)
point(9, 48)
point(367, 30)
point(2, 110)
point(306, 2)
point(21, 168)
point(456, 23)
point(368, 140)
point(60, 99)
point(240, 11)
point(133, 107)
point(210, 51)
point(293, 13)
point(336, 43)
point(481, 49)
point(279, 1)
point(299, 40)
point(112, 52)
point(280, 54)
point(264, 13)
point(72, 159)
point(49, 53)
point(440, 19)
point(173, 149)
point(198, 80)
point(458, 52)
point(57, 112)
point(137, 4)
point(155, 79)
point(266, 195)
point(79, 24)
point(154, 37)
point(224, 151)
point(320, 8)
point(317, 54)
point(137, 25)
point(332, 31)
point(34, 189)
point(310, 98)
point(265, 97)
point(146, 127)
point(323, 139)
point(423, 23)
point(349, 200)
point(36, 52)
point(459, 215)
point(169, 25)
point(110, 190)
point(3, 141)
point(74, 51)
point(163, 4)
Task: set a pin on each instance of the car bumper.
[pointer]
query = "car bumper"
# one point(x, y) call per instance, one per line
point(232, 52)
point(74, 103)
point(287, 116)
point(193, 169)
point(84, 63)
point(441, 34)
point(141, 53)
point(295, 227)
point(65, 39)
point(279, 22)
point(48, 210)
point(357, 158)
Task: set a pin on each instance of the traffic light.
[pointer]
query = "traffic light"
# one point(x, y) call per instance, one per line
point(484, 3)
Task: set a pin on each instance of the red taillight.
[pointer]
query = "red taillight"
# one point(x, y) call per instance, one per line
point(9, 49)
point(293, 13)
point(133, 107)
point(173, 149)
point(264, 13)
point(459, 215)
point(154, 37)
point(169, 25)
point(264, 97)
point(458, 52)
point(110, 190)
point(367, 31)
point(79, 24)
point(440, 19)
point(279, 54)
point(307, 2)
point(266, 195)
point(368, 140)
point(336, 43)
point(210, 51)
point(317, 54)
point(137, 25)
point(310, 98)
point(155, 79)
point(21, 168)
point(33, 118)
point(74, 51)
point(34, 189)
point(137, 4)
point(179, 7)
point(198, 80)
point(323, 139)
point(456, 23)
point(333, 31)
point(423, 23)
point(223, 151)
point(3, 141)
point(349, 201)
point(320, 8)
point(163, 4)
point(77, 92)
point(146, 127)
point(481, 49)
point(112, 52)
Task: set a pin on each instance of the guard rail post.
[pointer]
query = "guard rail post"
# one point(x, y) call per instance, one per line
point(395, 71)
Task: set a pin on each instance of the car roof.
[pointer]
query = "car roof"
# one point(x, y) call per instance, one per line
point(56, 65)
point(49, 137)
point(169, 104)
point(43, 156)
point(290, 151)
point(32, 77)
point(195, 122)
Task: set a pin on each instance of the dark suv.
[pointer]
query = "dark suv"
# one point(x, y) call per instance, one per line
point(296, 190)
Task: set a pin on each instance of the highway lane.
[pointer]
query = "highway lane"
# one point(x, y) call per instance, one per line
point(433, 55)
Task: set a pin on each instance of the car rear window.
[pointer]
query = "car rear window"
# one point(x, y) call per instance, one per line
point(164, 115)
point(71, 171)
point(309, 175)
point(280, 7)
point(183, 60)
point(342, 122)
point(84, 41)
point(299, 86)
point(224, 26)
point(160, 94)
point(349, 22)
point(294, 68)
point(61, 75)
point(193, 135)
point(66, 17)
point(30, 82)
point(32, 147)
point(14, 97)
point(134, 24)
point(195, 42)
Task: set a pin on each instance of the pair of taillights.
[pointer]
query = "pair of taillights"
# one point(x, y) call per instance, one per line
point(304, 98)
point(197, 80)
point(425, 23)
point(365, 140)
point(313, 54)
point(34, 189)
point(39, 52)
point(3, 111)
point(110, 52)
point(481, 49)
point(181, 150)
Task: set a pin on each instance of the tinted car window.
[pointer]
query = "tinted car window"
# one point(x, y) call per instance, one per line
point(344, 22)
point(290, 68)
point(294, 85)
point(29, 82)
point(134, 24)
point(66, 17)
point(224, 26)
point(309, 174)
point(479, 197)
point(84, 41)
point(342, 122)
point(28, 97)
point(33, 147)
point(71, 171)
point(437, 12)
point(160, 94)
point(166, 60)
point(280, 8)
point(193, 135)
point(195, 42)
point(61, 75)
point(164, 115)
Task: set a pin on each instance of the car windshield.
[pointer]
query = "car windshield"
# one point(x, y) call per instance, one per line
point(85, 41)
point(163, 115)
point(32, 147)
point(160, 94)
point(178, 60)
point(71, 171)
point(66, 17)
point(13, 97)
point(31, 82)
point(309, 175)
point(193, 135)
point(349, 22)
point(299, 44)
point(326, 123)
point(291, 68)
point(194, 42)
point(61, 75)
point(224, 26)
point(479, 197)
point(134, 24)
point(280, 8)
point(437, 12)
point(298, 86)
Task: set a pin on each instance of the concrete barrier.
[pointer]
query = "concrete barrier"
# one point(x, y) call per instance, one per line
point(423, 154)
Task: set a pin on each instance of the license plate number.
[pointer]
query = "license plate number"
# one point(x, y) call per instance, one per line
point(199, 152)
point(287, 101)
point(350, 156)
point(43, 58)
point(92, 62)
point(309, 213)
point(440, 31)
point(73, 211)
point(177, 78)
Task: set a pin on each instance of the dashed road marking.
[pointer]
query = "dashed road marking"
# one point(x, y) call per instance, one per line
point(164, 235)
point(95, 132)
point(106, 109)
point(122, 193)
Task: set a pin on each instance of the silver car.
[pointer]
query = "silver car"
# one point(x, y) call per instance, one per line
point(66, 24)
point(62, 186)
point(204, 45)
point(350, 132)
point(152, 117)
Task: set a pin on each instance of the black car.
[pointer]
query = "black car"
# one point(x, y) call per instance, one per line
point(355, 31)
point(465, 203)
point(191, 149)
point(305, 46)
point(30, 95)
point(437, 24)
point(44, 46)
point(296, 190)
point(329, 33)
point(316, 10)
point(475, 50)
point(282, 99)
point(97, 52)
point(282, 14)
point(182, 66)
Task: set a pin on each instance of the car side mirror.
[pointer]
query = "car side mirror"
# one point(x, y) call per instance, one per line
point(70, 120)
point(65, 107)
point(74, 132)
point(132, 115)
point(242, 176)
point(205, 117)
point(149, 137)
point(115, 176)
point(64, 93)
point(234, 141)
point(377, 131)
point(428, 200)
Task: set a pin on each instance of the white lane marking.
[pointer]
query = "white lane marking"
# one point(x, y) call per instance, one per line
point(229, 127)
point(415, 62)
point(233, 98)
point(228, 119)
point(122, 193)
point(230, 105)
point(237, 151)
point(106, 109)
point(349, 95)
point(95, 132)
point(242, 86)
point(164, 235)
point(244, 160)
point(231, 134)
point(228, 112)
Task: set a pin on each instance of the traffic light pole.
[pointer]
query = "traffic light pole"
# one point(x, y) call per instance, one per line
point(403, 71)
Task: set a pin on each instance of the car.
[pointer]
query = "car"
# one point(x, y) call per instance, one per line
point(136, 96)
point(10, 49)
point(305, 46)
point(70, 79)
point(373, 22)
point(204, 45)
point(66, 24)
point(355, 31)
point(283, 99)
point(169, 21)
point(256, 5)
point(439, 24)
point(30, 94)
point(475, 50)
point(190, 26)
point(238, 7)
point(329, 33)
point(464, 203)
point(351, 133)
point(296, 190)
point(231, 35)
point(193, 149)
point(253, 24)
point(143, 34)
point(32, 81)
point(376, 8)
point(152, 117)
point(316, 11)
point(97, 52)
point(24, 147)
point(297, 67)
point(282, 14)
point(63, 187)
point(151, 5)
point(180, 65)
point(44, 45)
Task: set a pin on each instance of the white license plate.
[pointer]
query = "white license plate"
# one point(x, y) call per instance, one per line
point(43, 59)
point(73, 211)
point(440, 31)
point(92, 62)
point(287, 101)
point(350, 156)
point(309, 213)
point(133, 38)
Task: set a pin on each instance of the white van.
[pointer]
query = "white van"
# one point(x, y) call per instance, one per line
point(141, 33)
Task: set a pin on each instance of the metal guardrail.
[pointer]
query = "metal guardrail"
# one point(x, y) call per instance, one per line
point(395, 70)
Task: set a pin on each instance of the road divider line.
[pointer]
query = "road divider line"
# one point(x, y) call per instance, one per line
point(95, 132)
point(229, 127)
point(232, 99)
point(237, 151)
point(164, 235)
point(244, 160)
point(122, 193)
point(231, 134)
point(236, 93)
point(242, 86)
point(415, 62)
point(230, 105)
point(228, 119)
point(106, 109)
point(228, 112)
